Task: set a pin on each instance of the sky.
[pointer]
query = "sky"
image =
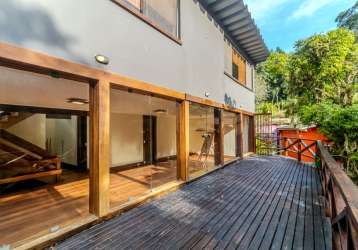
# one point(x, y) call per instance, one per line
point(282, 22)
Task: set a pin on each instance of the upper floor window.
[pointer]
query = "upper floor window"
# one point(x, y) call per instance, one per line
point(237, 67)
point(163, 15)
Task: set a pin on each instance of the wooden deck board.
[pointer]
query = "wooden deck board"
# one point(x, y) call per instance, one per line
point(266, 202)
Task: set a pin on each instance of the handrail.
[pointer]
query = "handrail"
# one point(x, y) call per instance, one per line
point(341, 196)
point(285, 145)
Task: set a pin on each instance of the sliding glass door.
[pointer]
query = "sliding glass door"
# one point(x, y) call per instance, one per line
point(143, 144)
point(201, 139)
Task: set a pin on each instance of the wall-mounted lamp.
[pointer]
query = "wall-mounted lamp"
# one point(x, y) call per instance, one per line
point(78, 101)
point(102, 59)
point(207, 94)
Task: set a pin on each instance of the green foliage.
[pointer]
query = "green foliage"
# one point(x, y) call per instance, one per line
point(274, 72)
point(318, 84)
point(267, 107)
point(339, 124)
point(349, 18)
point(324, 67)
point(260, 89)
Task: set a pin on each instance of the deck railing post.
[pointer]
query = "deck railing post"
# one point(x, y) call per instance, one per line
point(299, 152)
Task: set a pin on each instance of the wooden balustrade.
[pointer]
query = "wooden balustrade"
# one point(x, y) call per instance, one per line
point(294, 147)
point(340, 193)
point(341, 198)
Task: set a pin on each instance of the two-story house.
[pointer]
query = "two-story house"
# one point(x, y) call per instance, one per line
point(104, 104)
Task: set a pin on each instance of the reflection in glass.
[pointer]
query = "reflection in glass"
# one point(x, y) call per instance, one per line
point(43, 154)
point(143, 144)
point(201, 139)
point(230, 135)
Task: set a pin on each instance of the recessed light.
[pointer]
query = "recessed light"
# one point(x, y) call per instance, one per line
point(102, 59)
point(78, 101)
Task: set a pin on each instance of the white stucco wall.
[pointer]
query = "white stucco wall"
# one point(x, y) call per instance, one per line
point(78, 30)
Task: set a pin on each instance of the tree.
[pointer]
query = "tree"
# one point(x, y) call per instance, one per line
point(349, 18)
point(274, 72)
point(260, 89)
point(324, 67)
point(322, 87)
point(339, 124)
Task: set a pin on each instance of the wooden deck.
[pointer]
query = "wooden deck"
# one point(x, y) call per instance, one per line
point(258, 203)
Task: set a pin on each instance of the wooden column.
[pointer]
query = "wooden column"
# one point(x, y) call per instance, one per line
point(219, 137)
point(99, 147)
point(239, 138)
point(252, 137)
point(183, 141)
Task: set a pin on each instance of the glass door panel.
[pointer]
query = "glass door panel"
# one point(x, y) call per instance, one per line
point(201, 139)
point(164, 162)
point(230, 135)
point(130, 133)
point(143, 143)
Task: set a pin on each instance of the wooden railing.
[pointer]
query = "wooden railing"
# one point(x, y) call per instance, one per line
point(341, 196)
point(300, 149)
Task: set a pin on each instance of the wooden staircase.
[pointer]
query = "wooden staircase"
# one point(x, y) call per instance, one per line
point(21, 160)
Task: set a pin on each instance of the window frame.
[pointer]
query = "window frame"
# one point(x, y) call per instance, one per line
point(231, 75)
point(139, 14)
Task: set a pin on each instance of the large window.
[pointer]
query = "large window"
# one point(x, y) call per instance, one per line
point(202, 137)
point(237, 67)
point(44, 173)
point(143, 145)
point(164, 14)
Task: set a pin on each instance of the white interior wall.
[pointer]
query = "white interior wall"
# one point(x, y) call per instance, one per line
point(62, 133)
point(230, 143)
point(32, 129)
point(36, 129)
point(166, 136)
point(126, 139)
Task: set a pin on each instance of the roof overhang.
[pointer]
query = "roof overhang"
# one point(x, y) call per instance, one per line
point(239, 27)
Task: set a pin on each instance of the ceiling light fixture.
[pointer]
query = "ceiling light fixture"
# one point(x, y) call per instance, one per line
point(160, 111)
point(102, 59)
point(78, 101)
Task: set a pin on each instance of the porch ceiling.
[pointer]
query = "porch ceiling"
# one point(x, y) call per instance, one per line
point(235, 19)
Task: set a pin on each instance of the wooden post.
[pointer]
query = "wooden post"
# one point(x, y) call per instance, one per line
point(253, 134)
point(239, 139)
point(219, 137)
point(299, 153)
point(99, 147)
point(183, 141)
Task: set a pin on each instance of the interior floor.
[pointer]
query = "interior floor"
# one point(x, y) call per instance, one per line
point(199, 167)
point(43, 209)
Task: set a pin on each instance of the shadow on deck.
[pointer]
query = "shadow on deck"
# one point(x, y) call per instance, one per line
point(257, 203)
